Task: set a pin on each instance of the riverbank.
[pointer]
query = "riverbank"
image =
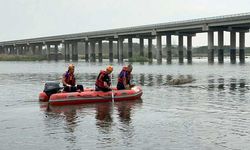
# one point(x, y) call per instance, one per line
point(4, 57)
point(22, 58)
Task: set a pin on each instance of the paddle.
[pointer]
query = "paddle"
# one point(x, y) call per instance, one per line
point(112, 92)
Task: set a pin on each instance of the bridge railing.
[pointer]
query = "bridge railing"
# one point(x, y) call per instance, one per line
point(129, 29)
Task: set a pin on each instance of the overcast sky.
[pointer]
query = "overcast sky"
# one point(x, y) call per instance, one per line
point(36, 18)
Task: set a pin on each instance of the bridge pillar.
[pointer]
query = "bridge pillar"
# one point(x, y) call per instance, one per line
point(56, 52)
point(86, 51)
point(233, 47)
point(33, 50)
point(6, 49)
point(23, 49)
point(180, 47)
point(150, 55)
point(141, 47)
point(19, 50)
point(66, 52)
point(117, 50)
point(74, 51)
point(37, 51)
point(169, 49)
point(242, 48)
point(1, 49)
point(27, 50)
point(48, 52)
point(9, 50)
point(40, 49)
point(220, 47)
point(189, 49)
point(100, 50)
point(210, 47)
point(130, 47)
point(92, 49)
point(159, 49)
point(16, 50)
point(120, 44)
point(111, 56)
point(12, 50)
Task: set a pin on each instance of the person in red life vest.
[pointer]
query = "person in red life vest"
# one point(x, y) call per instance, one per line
point(124, 78)
point(69, 81)
point(103, 80)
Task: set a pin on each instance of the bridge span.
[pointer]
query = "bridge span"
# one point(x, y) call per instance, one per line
point(237, 23)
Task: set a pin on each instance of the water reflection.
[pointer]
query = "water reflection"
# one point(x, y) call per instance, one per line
point(62, 119)
point(150, 80)
point(103, 117)
point(105, 111)
point(141, 79)
point(125, 113)
point(68, 118)
point(224, 84)
point(242, 83)
point(124, 110)
point(233, 84)
point(211, 83)
point(67, 113)
point(221, 83)
point(159, 79)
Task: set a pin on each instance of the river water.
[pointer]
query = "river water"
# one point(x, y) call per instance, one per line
point(212, 112)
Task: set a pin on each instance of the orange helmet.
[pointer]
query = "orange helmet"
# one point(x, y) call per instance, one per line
point(71, 66)
point(130, 67)
point(109, 68)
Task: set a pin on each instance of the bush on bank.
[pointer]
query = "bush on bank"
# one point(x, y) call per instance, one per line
point(138, 59)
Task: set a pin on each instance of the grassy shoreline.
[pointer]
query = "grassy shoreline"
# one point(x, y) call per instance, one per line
point(22, 58)
point(4, 57)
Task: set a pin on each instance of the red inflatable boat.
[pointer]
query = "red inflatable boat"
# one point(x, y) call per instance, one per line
point(91, 96)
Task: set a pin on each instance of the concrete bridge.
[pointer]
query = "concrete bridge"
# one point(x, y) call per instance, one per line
point(231, 23)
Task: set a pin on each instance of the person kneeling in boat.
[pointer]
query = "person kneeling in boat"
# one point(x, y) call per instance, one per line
point(69, 81)
point(124, 78)
point(103, 80)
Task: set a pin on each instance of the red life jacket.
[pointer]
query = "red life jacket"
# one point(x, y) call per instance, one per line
point(70, 78)
point(124, 74)
point(100, 79)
